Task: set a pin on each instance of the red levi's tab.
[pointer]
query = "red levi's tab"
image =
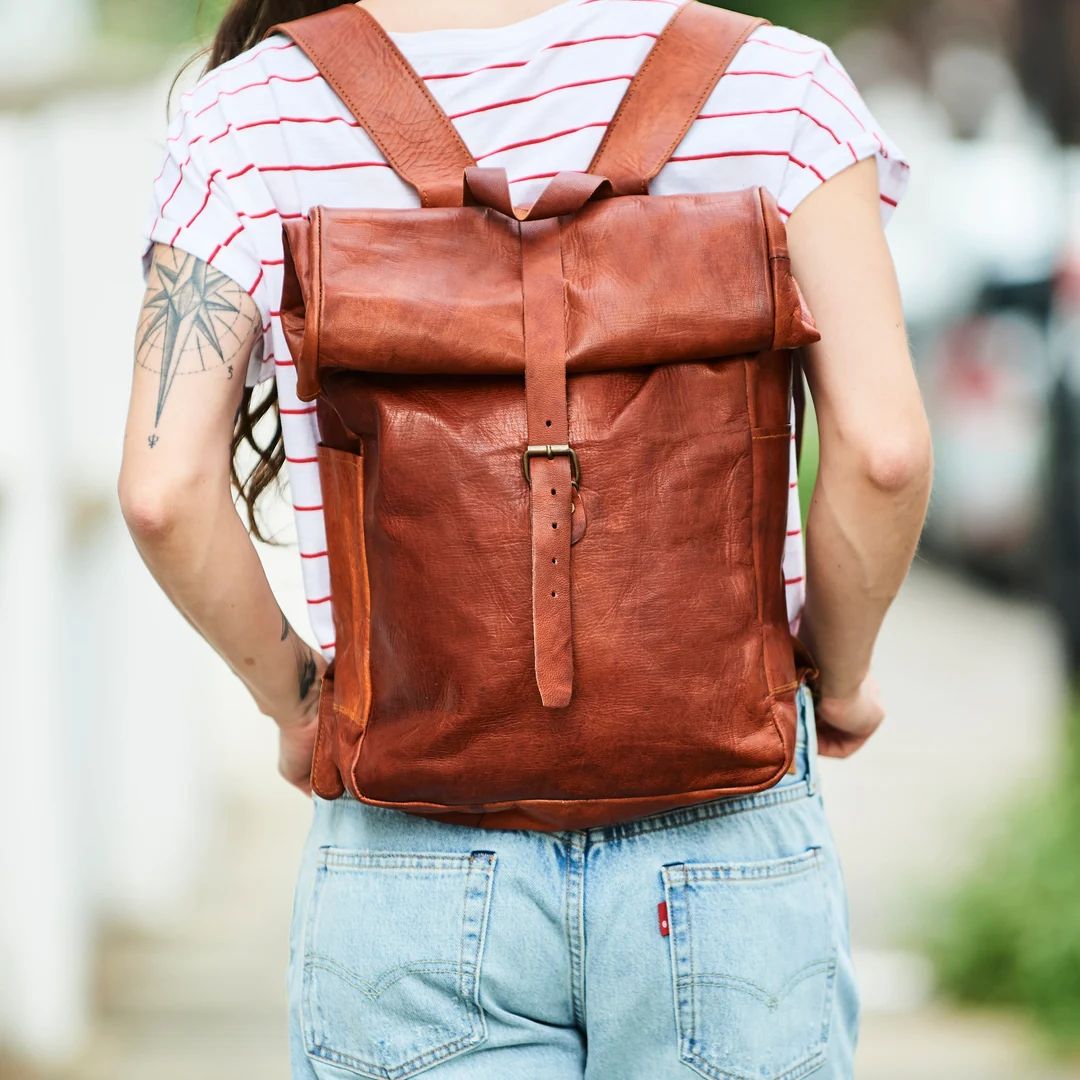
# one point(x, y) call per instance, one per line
point(661, 914)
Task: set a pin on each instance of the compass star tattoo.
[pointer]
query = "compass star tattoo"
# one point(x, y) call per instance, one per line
point(191, 316)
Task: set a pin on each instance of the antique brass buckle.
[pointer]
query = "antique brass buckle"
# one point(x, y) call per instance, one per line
point(551, 451)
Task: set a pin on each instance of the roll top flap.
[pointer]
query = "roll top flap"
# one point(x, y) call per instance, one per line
point(648, 280)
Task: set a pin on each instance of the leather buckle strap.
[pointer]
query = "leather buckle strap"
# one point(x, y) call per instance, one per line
point(549, 463)
point(549, 452)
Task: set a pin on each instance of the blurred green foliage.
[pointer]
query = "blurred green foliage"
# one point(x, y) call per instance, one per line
point(819, 18)
point(1011, 934)
point(164, 22)
point(809, 456)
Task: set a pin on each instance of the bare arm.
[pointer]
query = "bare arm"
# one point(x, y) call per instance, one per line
point(195, 335)
point(873, 483)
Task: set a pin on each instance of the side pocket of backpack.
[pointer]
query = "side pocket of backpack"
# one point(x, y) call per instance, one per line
point(343, 712)
point(772, 455)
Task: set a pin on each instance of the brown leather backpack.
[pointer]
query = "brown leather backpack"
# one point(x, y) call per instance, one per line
point(554, 460)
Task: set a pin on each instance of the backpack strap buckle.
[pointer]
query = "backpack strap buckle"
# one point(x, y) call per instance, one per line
point(549, 451)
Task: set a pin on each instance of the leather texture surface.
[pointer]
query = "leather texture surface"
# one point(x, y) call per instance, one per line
point(572, 639)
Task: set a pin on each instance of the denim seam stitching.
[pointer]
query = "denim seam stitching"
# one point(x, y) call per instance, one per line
point(427, 1057)
point(703, 812)
point(679, 912)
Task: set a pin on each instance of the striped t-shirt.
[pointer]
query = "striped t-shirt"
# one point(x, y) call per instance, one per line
point(263, 139)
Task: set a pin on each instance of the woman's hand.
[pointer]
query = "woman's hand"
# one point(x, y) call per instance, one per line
point(845, 723)
point(296, 749)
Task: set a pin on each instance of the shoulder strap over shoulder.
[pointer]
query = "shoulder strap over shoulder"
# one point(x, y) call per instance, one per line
point(666, 95)
point(388, 98)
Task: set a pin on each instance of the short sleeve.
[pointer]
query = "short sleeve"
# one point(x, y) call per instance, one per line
point(190, 210)
point(834, 129)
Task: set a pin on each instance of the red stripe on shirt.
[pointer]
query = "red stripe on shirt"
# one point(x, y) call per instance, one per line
point(274, 121)
point(601, 37)
point(473, 71)
point(269, 213)
point(315, 168)
point(774, 112)
point(542, 138)
point(333, 167)
point(176, 188)
point(749, 153)
point(815, 82)
point(543, 93)
point(537, 176)
point(521, 63)
point(807, 52)
point(206, 199)
point(213, 76)
point(261, 82)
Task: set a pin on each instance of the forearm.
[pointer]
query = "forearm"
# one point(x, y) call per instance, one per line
point(204, 560)
point(862, 532)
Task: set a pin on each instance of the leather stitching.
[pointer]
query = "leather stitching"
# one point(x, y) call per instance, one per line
point(634, 88)
point(392, 52)
point(718, 73)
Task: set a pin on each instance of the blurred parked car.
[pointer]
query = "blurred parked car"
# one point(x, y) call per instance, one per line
point(988, 379)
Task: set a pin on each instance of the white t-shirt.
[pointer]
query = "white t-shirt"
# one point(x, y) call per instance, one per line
point(263, 138)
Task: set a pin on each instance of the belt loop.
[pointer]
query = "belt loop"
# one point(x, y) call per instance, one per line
point(806, 718)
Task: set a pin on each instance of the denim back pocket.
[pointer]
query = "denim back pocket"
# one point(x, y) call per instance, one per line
point(392, 953)
point(754, 953)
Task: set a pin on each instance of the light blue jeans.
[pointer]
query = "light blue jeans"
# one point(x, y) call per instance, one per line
point(709, 940)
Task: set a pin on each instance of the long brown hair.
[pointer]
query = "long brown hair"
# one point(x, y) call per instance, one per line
point(243, 25)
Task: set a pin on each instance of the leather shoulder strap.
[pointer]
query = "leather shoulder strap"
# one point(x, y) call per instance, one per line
point(389, 99)
point(666, 95)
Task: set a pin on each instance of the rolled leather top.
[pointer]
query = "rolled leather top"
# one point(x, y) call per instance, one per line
point(438, 290)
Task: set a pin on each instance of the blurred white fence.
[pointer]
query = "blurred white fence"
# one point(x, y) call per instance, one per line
point(118, 726)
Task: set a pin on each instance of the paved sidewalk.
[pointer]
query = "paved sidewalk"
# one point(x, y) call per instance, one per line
point(975, 691)
point(963, 672)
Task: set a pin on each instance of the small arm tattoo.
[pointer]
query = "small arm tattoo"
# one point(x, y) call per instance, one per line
point(306, 672)
point(193, 319)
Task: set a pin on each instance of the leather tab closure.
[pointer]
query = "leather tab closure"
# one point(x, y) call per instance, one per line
point(566, 193)
point(548, 462)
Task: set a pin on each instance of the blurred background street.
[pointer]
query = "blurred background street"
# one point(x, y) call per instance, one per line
point(148, 848)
